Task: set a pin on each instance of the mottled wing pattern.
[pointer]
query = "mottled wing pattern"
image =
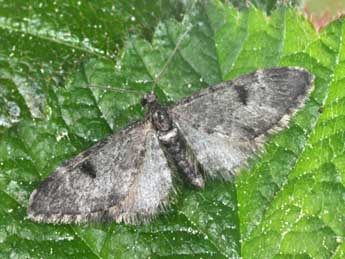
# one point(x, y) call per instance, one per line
point(224, 124)
point(124, 177)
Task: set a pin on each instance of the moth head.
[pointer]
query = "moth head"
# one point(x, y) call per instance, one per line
point(148, 99)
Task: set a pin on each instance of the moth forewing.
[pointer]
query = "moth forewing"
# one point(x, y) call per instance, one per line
point(132, 182)
point(226, 123)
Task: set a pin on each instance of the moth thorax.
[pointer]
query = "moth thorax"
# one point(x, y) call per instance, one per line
point(160, 118)
point(169, 137)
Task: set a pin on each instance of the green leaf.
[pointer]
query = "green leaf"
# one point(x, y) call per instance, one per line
point(289, 203)
point(97, 29)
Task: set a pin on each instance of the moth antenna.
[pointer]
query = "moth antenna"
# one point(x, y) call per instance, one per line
point(112, 88)
point(167, 63)
point(155, 81)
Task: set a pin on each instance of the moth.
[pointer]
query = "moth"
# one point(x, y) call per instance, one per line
point(129, 176)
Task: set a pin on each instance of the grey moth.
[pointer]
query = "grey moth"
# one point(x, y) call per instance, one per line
point(129, 176)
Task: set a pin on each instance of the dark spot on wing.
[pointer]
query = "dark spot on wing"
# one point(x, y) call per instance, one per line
point(88, 168)
point(242, 93)
point(253, 133)
point(209, 131)
point(113, 198)
point(250, 132)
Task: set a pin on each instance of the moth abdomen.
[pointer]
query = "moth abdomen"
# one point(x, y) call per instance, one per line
point(175, 147)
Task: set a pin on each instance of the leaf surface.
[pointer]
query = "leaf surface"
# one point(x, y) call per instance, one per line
point(289, 203)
